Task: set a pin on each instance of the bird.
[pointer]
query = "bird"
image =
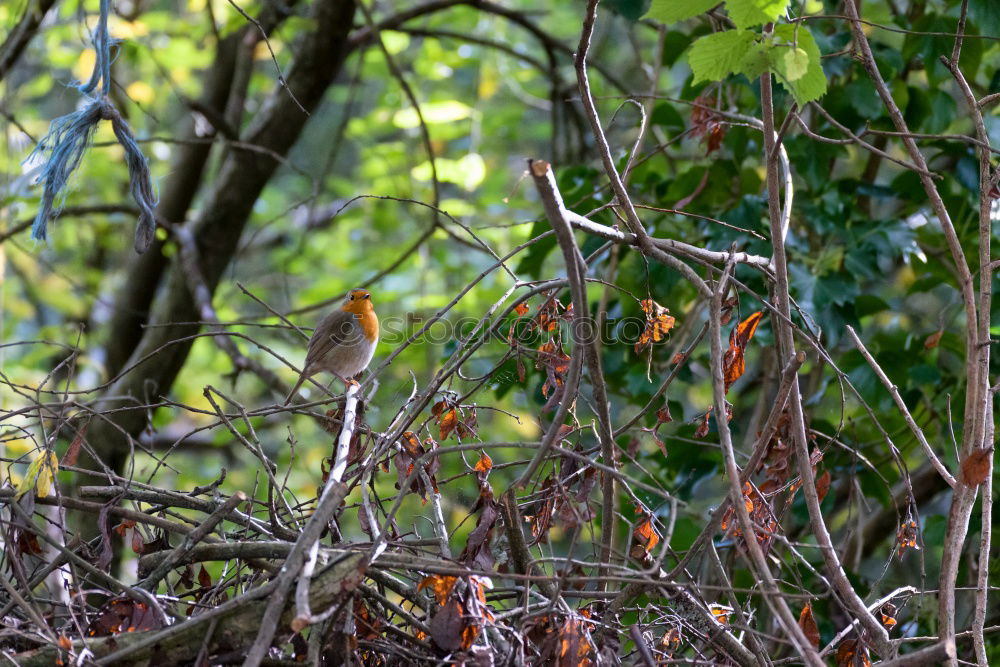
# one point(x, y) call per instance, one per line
point(343, 342)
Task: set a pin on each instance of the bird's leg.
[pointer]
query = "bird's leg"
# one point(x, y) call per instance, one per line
point(347, 381)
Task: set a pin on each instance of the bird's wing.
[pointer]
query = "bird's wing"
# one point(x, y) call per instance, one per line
point(334, 330)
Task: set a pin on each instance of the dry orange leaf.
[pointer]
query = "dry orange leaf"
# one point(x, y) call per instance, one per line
point(447, 423)
point(823, 485)
point(73, 452)
point(123, 528)
point(659, 322)
point(976, 467)
point(730, 513)
point(440, 584)
point(484, 464)
point(906, 537)
point(708, 125)
point(555, 361)
point(121, 614)
point(644, 533)
point(888, 614)
point(548, 315)
point(808, 624)
point(663, 415)
point(850, 654)
point(367, 625)
point(521, 308)
point(727, 310)
point(733, 363)
point(575, 646)
point(411, 443)
point(932, 341)
point(721, 613)
point(670, 642)
point(702, 429)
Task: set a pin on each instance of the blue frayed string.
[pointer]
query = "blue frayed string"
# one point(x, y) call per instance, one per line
point(66, 142)
point(102, 49)
point(140, 183)
point(70, 135)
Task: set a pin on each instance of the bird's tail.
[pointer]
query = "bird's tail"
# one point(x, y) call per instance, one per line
point(295, 389)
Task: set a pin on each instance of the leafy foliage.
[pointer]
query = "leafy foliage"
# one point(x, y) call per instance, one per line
point(407, 177)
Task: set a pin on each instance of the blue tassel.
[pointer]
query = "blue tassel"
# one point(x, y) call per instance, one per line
point(70, 135)
point(67, 141)
point(140, 184)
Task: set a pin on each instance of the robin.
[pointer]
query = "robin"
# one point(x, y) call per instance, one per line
point(343, 342)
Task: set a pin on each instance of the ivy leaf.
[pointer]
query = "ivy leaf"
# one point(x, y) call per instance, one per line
point(671, 11)
point(715, 56)
point(750, 13)
point(808, 85)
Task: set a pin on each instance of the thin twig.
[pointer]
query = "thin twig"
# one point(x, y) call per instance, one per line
point(901, 405)
point(190, 540)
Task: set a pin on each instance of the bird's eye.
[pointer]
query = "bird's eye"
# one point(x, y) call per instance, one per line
point(368, 296)
point(352, 297)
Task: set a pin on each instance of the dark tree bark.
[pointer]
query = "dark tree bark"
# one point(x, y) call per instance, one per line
point(227, 207)
point(15, 43)
point(224, 89)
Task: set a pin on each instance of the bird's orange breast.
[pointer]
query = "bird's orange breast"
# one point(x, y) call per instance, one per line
point(369, 324)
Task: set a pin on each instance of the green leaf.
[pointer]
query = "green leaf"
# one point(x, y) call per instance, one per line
point(671, 11)
point(39, 475)
point(667, 117)
point(531, 263)
point(796, 61)
point(943, 110)
point(629, 9)
point(715, 56)
point(448, 111)
point(864, 99)
point(869, 304)
point(811, 84)
point(674, 43)
point(986, 14)
point(757, 60)
point(749, 13)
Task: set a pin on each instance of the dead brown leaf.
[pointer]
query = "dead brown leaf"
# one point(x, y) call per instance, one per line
point(932, 341)
point(73, 452)
point(906, 536)
point(659, 322)
point(808, 624)
point(823, 485)
point(976, 467)
point(851, 653)
point(733, 362)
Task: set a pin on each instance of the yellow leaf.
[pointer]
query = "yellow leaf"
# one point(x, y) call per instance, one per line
point(85, 65)
point(40, 475)
point(141, 92)
point(121, 29)
point(46, 476)
point(448, 111)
